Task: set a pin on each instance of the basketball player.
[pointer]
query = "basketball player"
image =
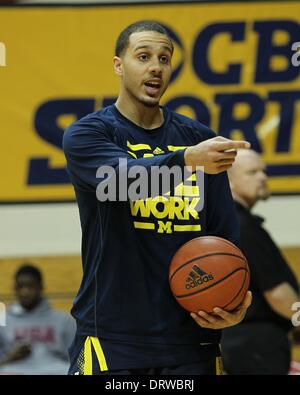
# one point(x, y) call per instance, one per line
point(128, 321)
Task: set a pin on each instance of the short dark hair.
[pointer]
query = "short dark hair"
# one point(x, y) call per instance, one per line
point(140, 26)
point(30, 270)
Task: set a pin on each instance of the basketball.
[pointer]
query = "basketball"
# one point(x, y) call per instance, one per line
point(208, 272)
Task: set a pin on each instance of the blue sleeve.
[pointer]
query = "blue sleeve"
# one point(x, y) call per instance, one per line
point(87, 149)
point(222, 218)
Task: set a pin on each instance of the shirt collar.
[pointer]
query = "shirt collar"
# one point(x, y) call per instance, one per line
point(255, 217)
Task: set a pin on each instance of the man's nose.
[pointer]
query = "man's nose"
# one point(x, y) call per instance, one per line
point(155, 67)
point(263, 175)
point(25, 291)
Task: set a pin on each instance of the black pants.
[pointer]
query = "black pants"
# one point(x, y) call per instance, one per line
point(196, 368)
point(255, 349)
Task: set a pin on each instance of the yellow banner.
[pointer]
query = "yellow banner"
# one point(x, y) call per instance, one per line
point(234, 70)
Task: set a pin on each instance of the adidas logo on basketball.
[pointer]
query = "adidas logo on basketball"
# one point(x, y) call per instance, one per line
point(197, 277)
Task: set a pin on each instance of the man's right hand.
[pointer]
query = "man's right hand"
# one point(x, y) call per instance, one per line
point(216, 154)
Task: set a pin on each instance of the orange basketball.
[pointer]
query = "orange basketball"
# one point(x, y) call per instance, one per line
point(209, 272)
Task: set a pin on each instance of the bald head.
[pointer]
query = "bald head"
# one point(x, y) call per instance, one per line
point(248, 180)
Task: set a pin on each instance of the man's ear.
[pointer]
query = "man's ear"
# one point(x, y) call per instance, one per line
point(118, 65)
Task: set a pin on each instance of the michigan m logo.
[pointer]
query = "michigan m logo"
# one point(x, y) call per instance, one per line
point(165, 227)
point(2, 54)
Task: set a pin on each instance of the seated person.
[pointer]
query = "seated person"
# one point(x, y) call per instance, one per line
point(36, 338)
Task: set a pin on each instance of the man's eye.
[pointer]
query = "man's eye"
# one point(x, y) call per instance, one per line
point(143, 57)
point(164, 59)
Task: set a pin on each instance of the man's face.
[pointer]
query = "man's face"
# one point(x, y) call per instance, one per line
point(248, 179)
point(28, 291)
point(145, 67)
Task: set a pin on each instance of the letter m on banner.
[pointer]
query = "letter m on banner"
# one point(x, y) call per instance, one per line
point(2, 314)
point(2, 54)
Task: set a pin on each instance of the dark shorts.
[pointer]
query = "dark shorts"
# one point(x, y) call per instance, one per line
point(89, 358)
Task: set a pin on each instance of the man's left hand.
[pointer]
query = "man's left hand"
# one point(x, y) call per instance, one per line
point(221, 319)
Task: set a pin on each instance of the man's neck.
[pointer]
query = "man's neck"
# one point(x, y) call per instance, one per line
point(141, 115)
point(241, 201)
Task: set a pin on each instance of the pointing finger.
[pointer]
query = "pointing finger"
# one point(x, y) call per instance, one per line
point(231, 144)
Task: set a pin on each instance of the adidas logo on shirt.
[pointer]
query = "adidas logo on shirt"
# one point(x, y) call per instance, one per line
point(158, 151)
point(196, 277)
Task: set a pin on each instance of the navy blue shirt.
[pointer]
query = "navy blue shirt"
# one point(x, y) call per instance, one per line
point(268, 269)
point(127, 246)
